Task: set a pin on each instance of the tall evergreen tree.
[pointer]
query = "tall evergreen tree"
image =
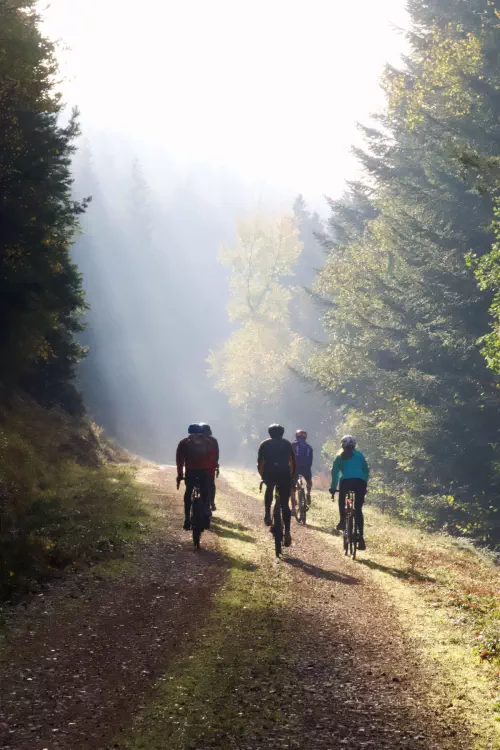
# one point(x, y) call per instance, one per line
point(402, 358)
point(41, 297)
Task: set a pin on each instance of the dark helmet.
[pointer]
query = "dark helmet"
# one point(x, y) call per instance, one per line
point(276, 430)
point(206, 428)
point(195, 429)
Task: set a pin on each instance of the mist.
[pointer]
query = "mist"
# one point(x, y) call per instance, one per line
point(193, 116)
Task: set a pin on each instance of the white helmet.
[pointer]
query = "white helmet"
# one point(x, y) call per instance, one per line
point(348, 441)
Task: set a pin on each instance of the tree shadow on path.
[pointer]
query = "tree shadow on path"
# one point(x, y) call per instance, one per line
point(217, 528)
point(397, 572)
point(316, 572)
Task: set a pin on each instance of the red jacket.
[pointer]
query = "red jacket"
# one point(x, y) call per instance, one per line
point(196, 452)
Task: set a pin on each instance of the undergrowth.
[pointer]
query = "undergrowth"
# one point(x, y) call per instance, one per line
point(61, 504)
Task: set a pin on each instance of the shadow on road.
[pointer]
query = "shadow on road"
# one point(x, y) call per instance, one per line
point(313, 570)
point(324, 529)
point(217, 528)
point(397, 572)
point(221, 559)
point(230, 524)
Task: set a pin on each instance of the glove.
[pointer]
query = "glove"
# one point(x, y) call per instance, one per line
point(332, 493)
point(179, 480)
point(217, 472)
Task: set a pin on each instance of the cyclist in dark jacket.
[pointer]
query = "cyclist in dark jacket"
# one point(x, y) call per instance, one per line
point(303, 460)
point(276, 465)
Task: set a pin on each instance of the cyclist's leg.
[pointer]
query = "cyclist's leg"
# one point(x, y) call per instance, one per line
point(285, 488)
point(190, 482)
point(204, 483)
point(294, 492)
point(268, 501)
point(308, 477)
point(360, 492)
point(343, 489)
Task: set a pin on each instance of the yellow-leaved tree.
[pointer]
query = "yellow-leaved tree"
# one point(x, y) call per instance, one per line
point(253, 364)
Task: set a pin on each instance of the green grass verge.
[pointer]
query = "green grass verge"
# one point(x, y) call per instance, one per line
point(213, 694)
point(447, 596)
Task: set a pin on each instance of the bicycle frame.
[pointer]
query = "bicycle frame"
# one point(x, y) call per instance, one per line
point(302, 504)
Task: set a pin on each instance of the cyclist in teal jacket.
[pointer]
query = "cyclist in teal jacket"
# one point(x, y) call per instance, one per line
point(351, 466)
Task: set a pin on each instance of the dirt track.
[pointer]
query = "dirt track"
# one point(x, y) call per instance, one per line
point(77, 671)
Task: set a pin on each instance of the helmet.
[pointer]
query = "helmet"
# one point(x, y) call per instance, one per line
point(301, 433)
point(206, 428)
point(276, 430)
point(348, 441)
point(195, 429)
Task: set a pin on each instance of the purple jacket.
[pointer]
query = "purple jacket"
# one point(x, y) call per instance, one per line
point(303, 454)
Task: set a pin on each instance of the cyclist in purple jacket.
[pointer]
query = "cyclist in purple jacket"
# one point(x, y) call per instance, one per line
point(303, 460)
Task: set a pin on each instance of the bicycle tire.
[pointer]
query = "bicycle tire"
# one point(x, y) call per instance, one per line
point(196, 520)
point(302, 506)
point(350, 526)
point(355, 541)
point(277, 528)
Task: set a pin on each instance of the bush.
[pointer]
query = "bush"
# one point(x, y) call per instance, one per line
point(59, 504)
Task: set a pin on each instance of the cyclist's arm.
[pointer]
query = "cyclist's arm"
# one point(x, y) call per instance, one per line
point(336, 469)
point(260, 460)
point(311, 458)
point(293, 461)
point(180, 458)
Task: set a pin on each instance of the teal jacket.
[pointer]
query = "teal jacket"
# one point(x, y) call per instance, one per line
point(350, 468)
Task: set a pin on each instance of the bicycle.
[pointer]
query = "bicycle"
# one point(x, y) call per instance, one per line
point(278, 526)
point(197, 513)
point(350, 535)
point(301, 513)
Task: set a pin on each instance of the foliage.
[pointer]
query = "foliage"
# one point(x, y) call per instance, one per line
point(41, 298)
point(252, 365)
point(402, 359)
point(58, 505)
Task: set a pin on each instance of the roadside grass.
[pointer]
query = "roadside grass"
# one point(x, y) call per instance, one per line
point(446, 593)
point(212, 696)
point(61, 504)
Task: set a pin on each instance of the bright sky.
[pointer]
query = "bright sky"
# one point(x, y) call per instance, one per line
point(268, 89)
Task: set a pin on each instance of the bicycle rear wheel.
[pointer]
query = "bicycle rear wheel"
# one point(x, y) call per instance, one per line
point(349, 534)
point(196, 521)
point(302, 506)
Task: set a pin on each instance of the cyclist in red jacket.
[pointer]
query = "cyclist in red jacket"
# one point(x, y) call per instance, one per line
point(195, 460)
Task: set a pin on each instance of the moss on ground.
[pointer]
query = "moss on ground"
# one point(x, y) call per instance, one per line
point(212, 693)
point(447, 596)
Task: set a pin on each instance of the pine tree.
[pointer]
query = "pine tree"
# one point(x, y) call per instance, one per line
point(41, 298)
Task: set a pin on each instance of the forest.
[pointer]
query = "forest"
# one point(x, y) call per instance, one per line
point(380, 317)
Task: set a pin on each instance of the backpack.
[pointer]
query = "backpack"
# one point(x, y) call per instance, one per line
point(198, 449)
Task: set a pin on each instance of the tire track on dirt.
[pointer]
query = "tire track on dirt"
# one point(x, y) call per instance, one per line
point(80, 663)
point(354, 678)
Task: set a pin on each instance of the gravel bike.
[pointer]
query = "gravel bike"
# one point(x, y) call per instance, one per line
point(351, 526)
point(350, 534)
point(198, 522)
